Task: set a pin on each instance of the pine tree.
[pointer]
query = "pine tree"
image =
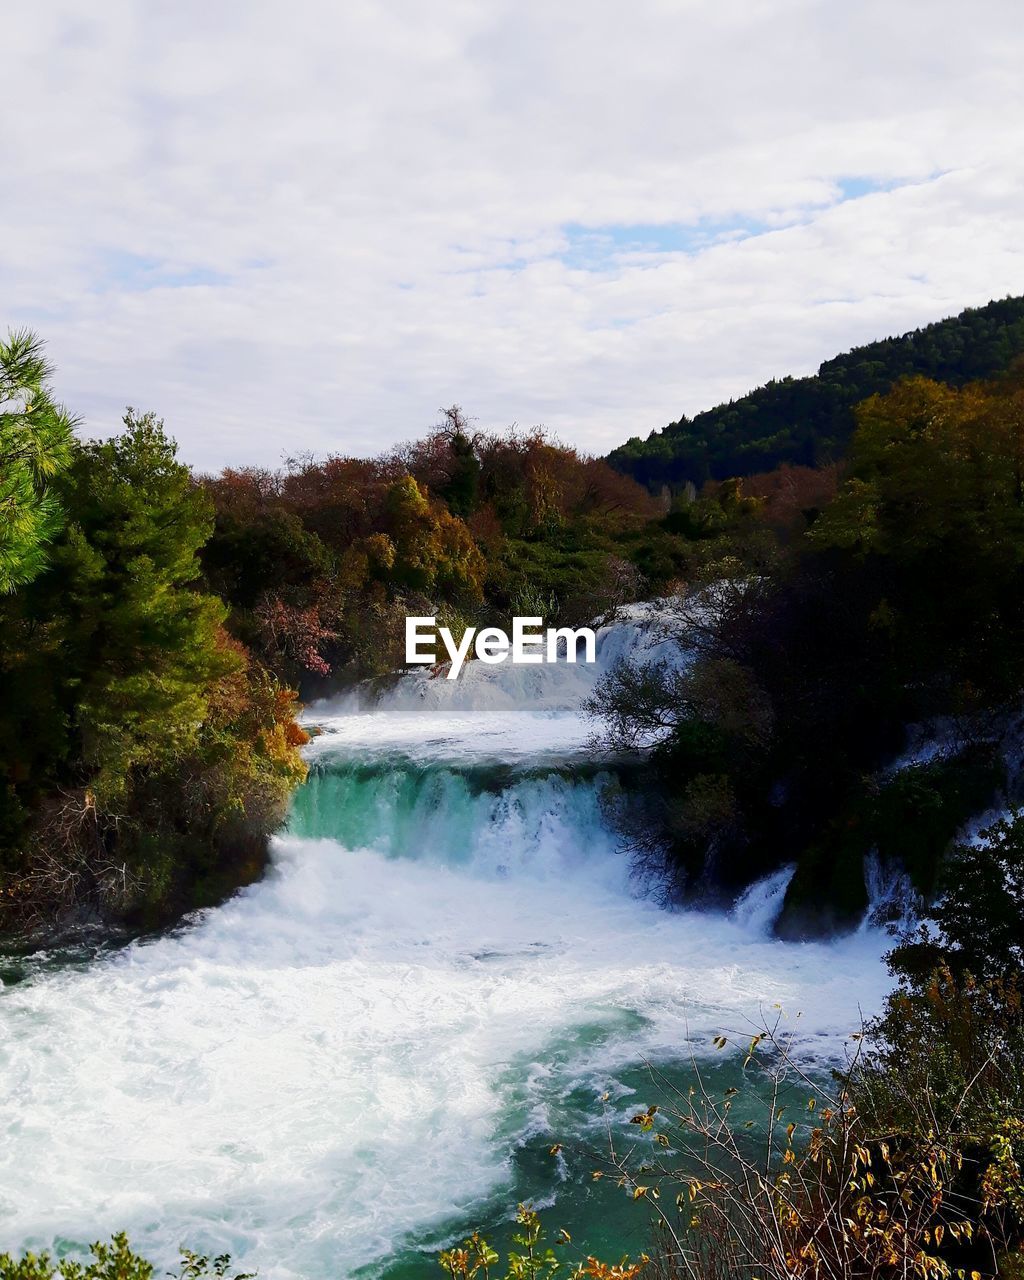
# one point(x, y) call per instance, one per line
point(140, 642)
point(36, 446)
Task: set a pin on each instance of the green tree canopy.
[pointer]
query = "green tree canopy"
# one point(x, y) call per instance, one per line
point(140, 643)
point(36, 446)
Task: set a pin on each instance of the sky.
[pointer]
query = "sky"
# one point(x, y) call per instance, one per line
point(306, 226)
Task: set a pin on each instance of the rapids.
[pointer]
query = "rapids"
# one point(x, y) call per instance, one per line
point(446, 967)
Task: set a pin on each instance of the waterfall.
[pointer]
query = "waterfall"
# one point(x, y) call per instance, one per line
point(491, 820)
point(545, 689)
point(446, 963)
point(892, 898)
point(759, 906)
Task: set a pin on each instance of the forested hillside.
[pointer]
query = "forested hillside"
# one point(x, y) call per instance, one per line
point(321, 562)
point(809, 421)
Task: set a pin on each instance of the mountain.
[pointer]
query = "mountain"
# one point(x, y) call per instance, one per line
point(808, 421)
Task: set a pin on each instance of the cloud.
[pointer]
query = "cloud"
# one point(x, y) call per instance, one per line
point(308, 227)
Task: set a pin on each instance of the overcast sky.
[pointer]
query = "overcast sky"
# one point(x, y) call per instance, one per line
point(308, 225)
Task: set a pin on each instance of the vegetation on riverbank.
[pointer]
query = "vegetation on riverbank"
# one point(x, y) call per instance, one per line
point(114, 1261)
point(532, 1259)
point(320, 563)
point(910, 1162)
point(146, 754)
point(808, 658)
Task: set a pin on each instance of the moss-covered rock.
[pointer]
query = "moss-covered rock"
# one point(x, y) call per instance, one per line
point(910, 819)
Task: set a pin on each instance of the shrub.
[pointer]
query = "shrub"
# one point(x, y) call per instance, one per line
point(537, 1261)
point(882, 1173)
point(114, 1261)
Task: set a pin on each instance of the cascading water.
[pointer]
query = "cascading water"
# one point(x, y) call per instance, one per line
point(446, 967)
point(758, 907)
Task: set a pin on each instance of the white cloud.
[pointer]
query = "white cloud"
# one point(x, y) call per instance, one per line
point(379, 198)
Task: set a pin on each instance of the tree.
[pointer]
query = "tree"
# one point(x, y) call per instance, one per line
point(145, 756)
point(434, 550)
point(934, 497)
point(36, 446)
point(977, 916)
point(462, 483)
point(140, 644)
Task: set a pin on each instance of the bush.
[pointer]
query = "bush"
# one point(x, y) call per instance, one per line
point(876, 1175)
point(475, 1257)
point(114, 1261)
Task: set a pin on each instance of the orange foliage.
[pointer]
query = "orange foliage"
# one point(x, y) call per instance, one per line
point(789, 493)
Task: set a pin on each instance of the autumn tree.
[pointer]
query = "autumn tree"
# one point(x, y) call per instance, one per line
point(434, 550)
point(447, 461)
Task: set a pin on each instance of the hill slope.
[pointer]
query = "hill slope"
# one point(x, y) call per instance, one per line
point(809, 420)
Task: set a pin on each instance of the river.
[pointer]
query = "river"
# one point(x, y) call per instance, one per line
point(445, 969)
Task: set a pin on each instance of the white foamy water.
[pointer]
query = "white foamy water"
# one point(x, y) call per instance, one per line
point(544, 689)
point(346, 1055)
